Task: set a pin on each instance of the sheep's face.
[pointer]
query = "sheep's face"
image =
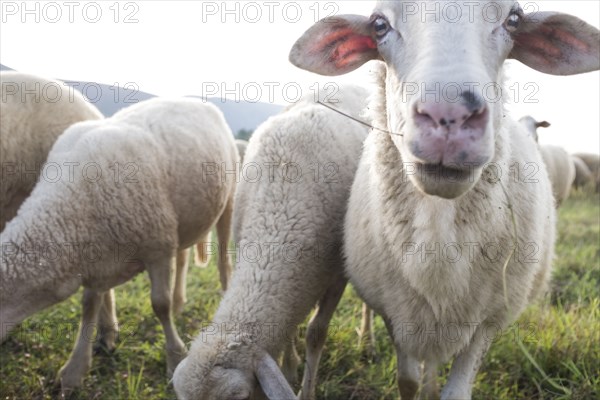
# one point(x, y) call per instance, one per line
point(219, 368)
point(531, 126)
point(216, 370)
point(442, 90)
point(442, 95)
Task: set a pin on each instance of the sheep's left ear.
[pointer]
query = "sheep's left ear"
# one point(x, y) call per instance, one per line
point(543, 124)
point(335, 45)
point(557, 44)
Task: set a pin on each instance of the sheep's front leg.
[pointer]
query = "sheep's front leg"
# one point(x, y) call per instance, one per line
point(108, 327)
point(161, 296)
point(316, 333)
point(409, 368)
point(465, 367)
point(179, 292)
point(71, 374)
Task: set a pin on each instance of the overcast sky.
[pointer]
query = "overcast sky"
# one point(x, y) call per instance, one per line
point(240, 49)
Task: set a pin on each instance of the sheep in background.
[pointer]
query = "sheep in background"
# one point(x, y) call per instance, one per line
point(531, 125)
point(298, 215)
point(425, 182)
point(593, 163)
point(35, 111)
point(241, 146)
point(561, 171)
point(583, 175)
point(147, 182)
point(557, 161)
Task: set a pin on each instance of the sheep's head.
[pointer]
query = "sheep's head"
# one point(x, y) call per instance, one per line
point(444, 73)
point(222, 368)
point(531, 126)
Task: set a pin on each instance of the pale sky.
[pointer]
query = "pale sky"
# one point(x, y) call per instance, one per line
point(229, 49)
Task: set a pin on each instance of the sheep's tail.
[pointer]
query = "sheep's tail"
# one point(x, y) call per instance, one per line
point(223, 236)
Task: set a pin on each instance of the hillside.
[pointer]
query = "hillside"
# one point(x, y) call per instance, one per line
point(110, 99)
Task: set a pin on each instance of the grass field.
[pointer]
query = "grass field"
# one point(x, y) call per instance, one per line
point(551, 352)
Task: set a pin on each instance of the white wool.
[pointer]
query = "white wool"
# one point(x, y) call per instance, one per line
point(35, 111)
point(148, 195)
point(269, 296)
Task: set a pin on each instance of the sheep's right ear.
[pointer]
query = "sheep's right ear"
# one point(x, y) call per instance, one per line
point(271, 379)
point(557, 44)
point(335, 45)
point(543, 124)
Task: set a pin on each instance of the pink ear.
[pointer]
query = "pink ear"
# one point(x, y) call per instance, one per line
point(335, 46)
point(557, 44)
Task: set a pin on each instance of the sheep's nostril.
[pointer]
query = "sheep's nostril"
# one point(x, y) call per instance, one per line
point(423, 119)
point(477, 120)
point(450, 117)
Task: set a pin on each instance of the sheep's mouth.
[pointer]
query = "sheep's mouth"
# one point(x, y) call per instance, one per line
point(444, 181)
point(439, 172)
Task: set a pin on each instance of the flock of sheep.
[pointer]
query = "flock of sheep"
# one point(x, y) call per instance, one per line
point(143, 186)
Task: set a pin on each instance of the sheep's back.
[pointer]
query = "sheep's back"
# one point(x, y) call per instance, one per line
point(200, 159)
point(30, 123)
point(138, 180)
point(292, 196)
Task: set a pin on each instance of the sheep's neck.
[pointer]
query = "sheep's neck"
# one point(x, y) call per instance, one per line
point(256, 311)
point(37, 270)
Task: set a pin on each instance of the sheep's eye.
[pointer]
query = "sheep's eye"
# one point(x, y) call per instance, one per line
point(512, 22)
point(380, 27)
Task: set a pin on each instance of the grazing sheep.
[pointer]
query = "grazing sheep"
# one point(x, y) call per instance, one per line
point(35, 111)
point(557, 161)
point(583, 175)
point(593, 163)
point(144, 184)
point(288, 229)
point(429, 225)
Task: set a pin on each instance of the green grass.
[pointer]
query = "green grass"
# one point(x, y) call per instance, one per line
point(551, 352)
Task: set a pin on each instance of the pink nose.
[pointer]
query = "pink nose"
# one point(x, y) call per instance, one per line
point(450, 133)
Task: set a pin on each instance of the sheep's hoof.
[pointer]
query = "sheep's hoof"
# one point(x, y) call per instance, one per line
point(70, 393)
point(57, 392)
point(302, 396)
point(103, 349)
point(173, 360)
point(70, 377)
point(63, 389)
point(171, 368)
